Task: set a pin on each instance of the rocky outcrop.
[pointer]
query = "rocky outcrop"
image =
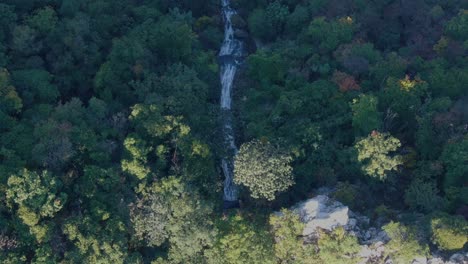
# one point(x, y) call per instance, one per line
point(321, 213)
point(324, 213)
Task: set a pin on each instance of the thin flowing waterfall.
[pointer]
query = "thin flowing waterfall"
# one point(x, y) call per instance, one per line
point(230, 57)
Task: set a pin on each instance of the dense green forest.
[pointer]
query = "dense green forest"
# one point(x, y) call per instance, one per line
point(110, 128)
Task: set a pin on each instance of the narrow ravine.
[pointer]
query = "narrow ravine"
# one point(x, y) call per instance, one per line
point(230, 58)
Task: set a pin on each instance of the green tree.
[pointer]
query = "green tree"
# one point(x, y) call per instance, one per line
point(37, 197)
point(289, 244)
point(270, 22)
point(366, 117)
point(403, 246)
point(10, 102)
point(328, 35)
point(267, 68)
point(7, 20)
point(25, 41)
point(457, 27)
point(241, 241)
point(93, 243)
point(454, 158)
point(264, 169)
point(423, 196)
point(338, 247)
point(449, 232)
point(153, 131)
point(36, 86)
point(173, 213)
point(374, 153)
point(44, 20)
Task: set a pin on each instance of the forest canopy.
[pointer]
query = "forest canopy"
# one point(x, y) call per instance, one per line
point(111, 130)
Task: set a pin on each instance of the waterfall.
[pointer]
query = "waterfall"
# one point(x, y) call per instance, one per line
point(230, 58)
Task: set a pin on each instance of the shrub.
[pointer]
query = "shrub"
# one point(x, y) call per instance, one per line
point(449, 232)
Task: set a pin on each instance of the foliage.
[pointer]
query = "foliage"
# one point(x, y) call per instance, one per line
point(457, 27)
point(268, 23)
point(449, 232)
point(37, 197)
point(423, 196)
point(289, 245)
point(338, 247)
point(328, 35)
point(264, 169)
point(109, 126)
point(373, 153)
point(10, 102)
point(403, 246)
point(241, 241)
point(454, 158)
point(366, 117)
point(172, 213)
point(347, 194)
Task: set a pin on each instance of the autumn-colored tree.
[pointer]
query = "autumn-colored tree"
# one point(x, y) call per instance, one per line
point(345, 82)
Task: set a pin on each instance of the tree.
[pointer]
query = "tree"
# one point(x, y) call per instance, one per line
point(172, 213)
point(268, 23)
point(374, 153)
point(44, 20)
point(403, 246)
point(241, 241)
point(423, 196)
point(93, 243)
point(267, 68)
point(454, 158)
point(449, 232)
point(338, 247)
point(329, 35)
point(37, 197)
point(345, 82)
point(264, 169)
point(289, 244)
point(156, 137)
point(25, 41)
point(7, 20)
point(366, 117)
point(179, 91)
point(457, 27)
point(36, 86)
point(392, 65)
point(55, 150)
point(10, 102)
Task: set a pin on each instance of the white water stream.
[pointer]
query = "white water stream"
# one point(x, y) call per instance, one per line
point(230, 57)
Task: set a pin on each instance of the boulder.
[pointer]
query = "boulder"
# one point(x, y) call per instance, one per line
point(420, 260)
point(321, 212)
point(436, 260)
point(459, 258)
point(372, 254)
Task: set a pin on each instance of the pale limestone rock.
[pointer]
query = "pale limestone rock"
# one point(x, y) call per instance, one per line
point(322, 212)
point(459, 258)
point(436, 260)
point(420, 260)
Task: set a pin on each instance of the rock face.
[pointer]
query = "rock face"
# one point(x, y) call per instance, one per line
point(322, 212)
point(459, 258)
